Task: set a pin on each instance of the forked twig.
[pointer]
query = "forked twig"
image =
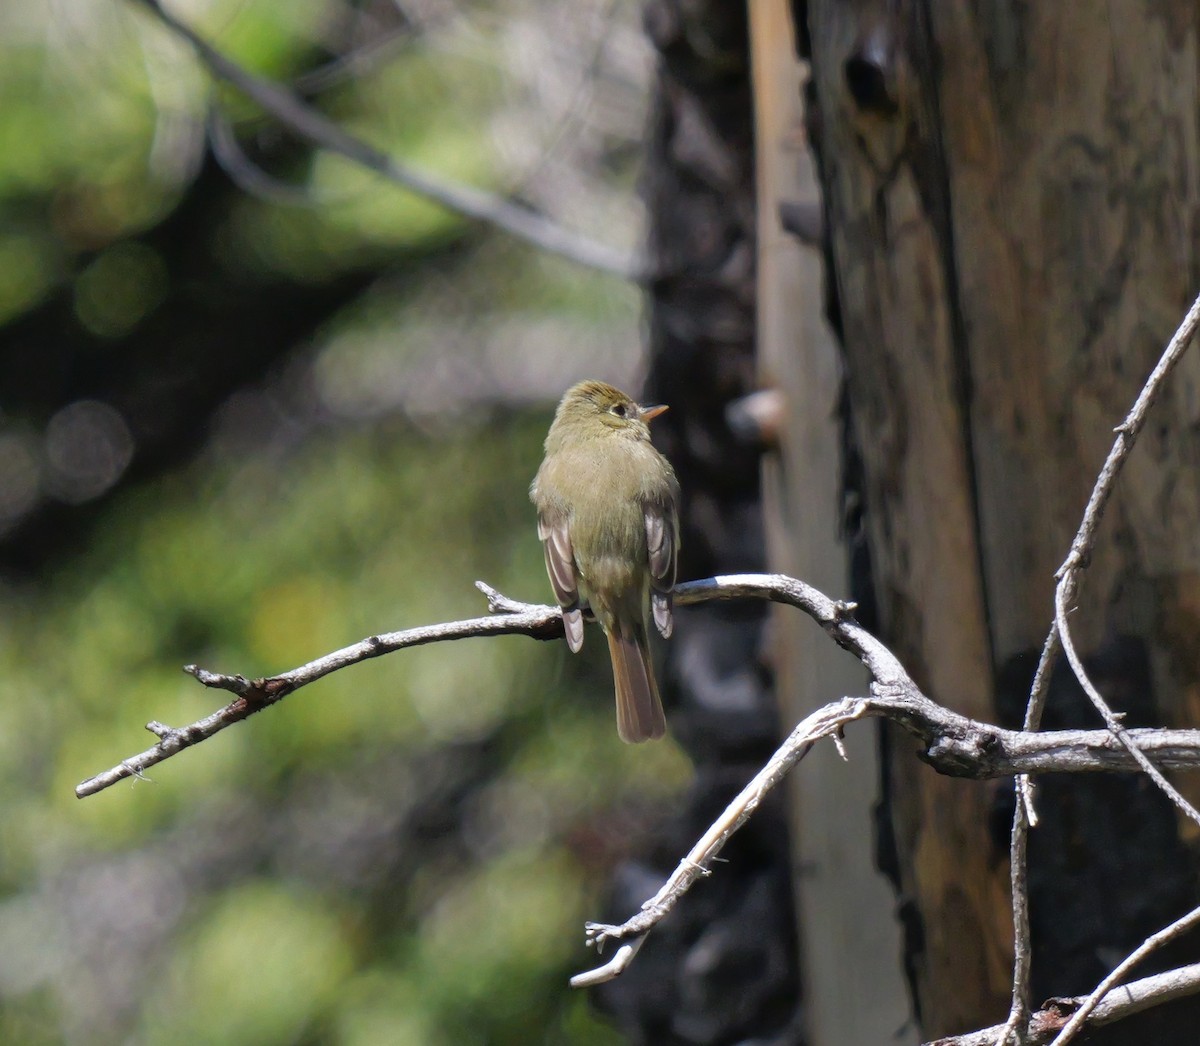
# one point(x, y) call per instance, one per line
point(1156, 940)
point(1055, 1014)
point(1059, 637)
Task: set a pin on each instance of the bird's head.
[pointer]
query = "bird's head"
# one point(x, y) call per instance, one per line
point(593, 409)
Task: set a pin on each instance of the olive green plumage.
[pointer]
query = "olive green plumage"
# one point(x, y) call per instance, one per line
point(608, 518)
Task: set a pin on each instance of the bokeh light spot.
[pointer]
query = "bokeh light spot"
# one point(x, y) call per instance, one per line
point(119, 289)
point(88, 447)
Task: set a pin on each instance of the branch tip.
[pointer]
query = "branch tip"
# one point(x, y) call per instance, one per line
point(236, 684)
point(611, 969)
point(498, 602)
point(513, 218)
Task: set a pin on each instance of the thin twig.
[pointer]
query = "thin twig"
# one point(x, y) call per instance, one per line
point(612, 969)
point(1081, 547)
point(1129, 999)
point(357, 62)
point(308, 123)
point(825, 722)
point(952, 743)
point(578, 103)
point(541, 622)
point(1111, 720)
point(1018, 870)
point(1156, 940)
point(246, 174)
point(1025, 814)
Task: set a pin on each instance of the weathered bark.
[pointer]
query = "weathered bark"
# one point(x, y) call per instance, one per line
point(1013, 202)
point(853, 986)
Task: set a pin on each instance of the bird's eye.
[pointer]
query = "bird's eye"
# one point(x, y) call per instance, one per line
point(618, 409)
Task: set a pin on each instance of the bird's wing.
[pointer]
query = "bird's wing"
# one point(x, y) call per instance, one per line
point(560, 565)
point(662, 542)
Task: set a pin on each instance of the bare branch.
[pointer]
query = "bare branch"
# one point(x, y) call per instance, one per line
point(356, 63)
point(246, 174)
point(1018, 871)
point(615, 966)
point(540, 622)
point(1107, 714)
point(1024, 815)
point(1081, 548)
point(1124, 1002)
point(825, 722)
point(952, 743)
point(308, 123)
point(1156, 940)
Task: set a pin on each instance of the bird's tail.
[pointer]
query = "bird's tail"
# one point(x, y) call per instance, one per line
point(639, 708)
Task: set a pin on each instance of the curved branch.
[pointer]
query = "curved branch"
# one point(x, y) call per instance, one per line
point(825, 722)
point(1092, 1003)
point(253, 695)
point(308, 123)
point(1125, 1001)
point(1081, 547)
point(1024, 815)
point(612, 969)
point(951, 743)
point(1111, 719)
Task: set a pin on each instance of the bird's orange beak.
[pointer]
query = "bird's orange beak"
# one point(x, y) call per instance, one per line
point(650, 413)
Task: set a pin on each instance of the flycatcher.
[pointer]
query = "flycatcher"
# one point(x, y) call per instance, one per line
point(608, 518)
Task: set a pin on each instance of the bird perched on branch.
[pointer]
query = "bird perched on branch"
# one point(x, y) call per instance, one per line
point(608, 518)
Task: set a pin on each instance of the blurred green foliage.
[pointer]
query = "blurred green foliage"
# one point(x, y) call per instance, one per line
point(404, 852)
point(261, 565)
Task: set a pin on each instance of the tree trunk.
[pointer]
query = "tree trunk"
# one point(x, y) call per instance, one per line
point(1012, 197)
